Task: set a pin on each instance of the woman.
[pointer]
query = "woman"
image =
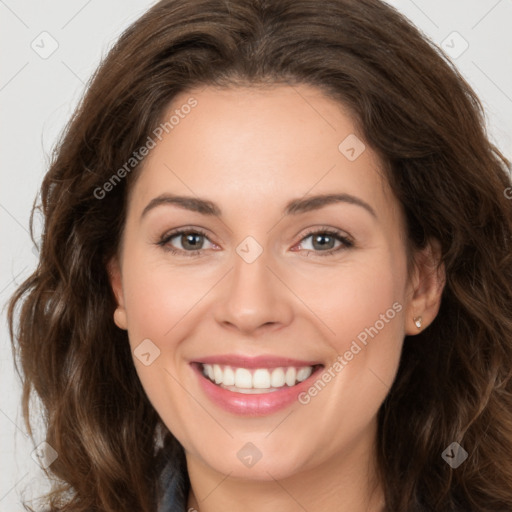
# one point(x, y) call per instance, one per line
point(276, 272)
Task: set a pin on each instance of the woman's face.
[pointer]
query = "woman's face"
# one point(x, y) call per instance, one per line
point(270, 284)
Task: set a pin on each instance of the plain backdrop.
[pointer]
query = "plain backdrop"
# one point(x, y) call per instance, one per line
point(49, 51)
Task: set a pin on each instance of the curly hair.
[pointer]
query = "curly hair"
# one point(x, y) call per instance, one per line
point(427, 126)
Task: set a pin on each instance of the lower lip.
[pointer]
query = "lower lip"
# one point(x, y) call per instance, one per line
point(252, 404)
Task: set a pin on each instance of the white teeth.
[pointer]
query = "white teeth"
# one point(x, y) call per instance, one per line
point(217, 373)
point(291, 373)
point(277, 379)
point(250, 381)
point(229, 377)
point(304, 373)
point(243, 378)
point(261, 379)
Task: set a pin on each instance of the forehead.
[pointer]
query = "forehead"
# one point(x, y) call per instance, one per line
point(260, 145)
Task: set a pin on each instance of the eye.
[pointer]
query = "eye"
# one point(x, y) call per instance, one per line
point(191, 241)
point(323, 242)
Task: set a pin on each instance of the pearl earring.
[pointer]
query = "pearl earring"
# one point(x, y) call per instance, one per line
point(118, 318)
point(417, 322)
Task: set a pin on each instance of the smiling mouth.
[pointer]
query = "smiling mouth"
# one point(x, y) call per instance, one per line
point(258, 380)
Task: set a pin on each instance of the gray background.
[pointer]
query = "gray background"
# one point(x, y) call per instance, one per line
point(39, 90)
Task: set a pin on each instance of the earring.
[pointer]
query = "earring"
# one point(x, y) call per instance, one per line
point(119, 319)
point(418, 321)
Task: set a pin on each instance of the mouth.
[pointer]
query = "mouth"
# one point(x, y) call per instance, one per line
point(256, 386)
point(256, 381)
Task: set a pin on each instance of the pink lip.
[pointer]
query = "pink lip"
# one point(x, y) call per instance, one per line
point(257, 404)
point(267, 361)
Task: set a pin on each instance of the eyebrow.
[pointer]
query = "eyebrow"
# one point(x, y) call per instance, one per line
point(293, 207)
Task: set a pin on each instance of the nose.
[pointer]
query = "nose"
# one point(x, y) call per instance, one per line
point(254, 297)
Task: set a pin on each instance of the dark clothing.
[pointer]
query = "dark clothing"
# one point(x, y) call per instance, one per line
point(174, 482)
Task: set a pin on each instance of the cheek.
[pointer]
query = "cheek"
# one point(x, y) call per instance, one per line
point(362, 294)
point(367, 309)
point(158, 296)
point(159, 304)
point(366, 347)
point(362, 306)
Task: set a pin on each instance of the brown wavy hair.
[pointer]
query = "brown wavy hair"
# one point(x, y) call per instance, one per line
point(428, 127)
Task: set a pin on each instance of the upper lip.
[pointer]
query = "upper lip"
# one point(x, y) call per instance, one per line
point(263, 361)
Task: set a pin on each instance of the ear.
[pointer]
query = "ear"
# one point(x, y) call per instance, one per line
point(426, 287)
point(114, 272)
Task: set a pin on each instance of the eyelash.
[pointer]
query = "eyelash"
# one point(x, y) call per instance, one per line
point(346, 242)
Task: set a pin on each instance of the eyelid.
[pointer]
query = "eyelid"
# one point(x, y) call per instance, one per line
point(168, 236)
point(344, 238)
point(328, 230)
point(346, 241)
